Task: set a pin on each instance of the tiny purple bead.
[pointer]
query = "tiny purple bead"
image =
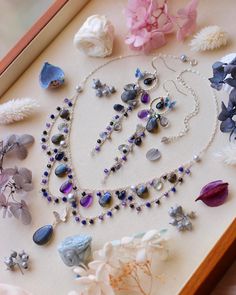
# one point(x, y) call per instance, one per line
point(48, 125)
point(44, 181)
point(97, 148)
point(77, 219)
point(166, 195)
point(109, 213)
point(66, 130)
point(117, 117)
point(49, 199)
point(106, 170)
point(187, 171)
point(138, 209)
point(108, 128)
point(99, 194)
point(124, 204)
point(66, 100)
point(44, 146)
point(124, 158)
point(145, 97)
point(51, 159)
point(100, 217)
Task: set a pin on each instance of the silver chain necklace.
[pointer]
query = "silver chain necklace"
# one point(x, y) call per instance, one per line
point(136, 197)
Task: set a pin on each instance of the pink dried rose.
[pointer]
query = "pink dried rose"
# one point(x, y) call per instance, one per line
point(149, 21)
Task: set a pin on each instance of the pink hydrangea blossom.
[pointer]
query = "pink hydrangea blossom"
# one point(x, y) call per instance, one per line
point(149, 21)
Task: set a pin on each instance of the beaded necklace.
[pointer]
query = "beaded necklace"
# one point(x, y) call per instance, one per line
point(136, 197)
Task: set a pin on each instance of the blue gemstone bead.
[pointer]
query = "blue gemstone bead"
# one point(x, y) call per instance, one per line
point(148, 204)
point(130, 198)
point(109, 213)
point(84, 222)
point(173, 189)
point(64, 199)
point(121, 195)
point(105, 199)
point(43, 235)
point(181, 169)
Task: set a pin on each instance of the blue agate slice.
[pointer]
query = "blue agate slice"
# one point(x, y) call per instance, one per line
point(51, 76)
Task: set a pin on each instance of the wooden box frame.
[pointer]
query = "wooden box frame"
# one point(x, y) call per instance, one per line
point(14, 63)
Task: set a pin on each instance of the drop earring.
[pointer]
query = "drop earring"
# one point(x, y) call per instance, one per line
point(132, 95)
point(154, 117)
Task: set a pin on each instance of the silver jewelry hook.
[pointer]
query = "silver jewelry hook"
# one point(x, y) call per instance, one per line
point(166, 90)
point(164, 62)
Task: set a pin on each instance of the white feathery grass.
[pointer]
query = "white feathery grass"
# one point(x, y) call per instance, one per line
point(228, 154)
point(17, 110)
point(209, 38)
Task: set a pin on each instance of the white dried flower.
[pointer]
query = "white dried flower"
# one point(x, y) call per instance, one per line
point(17, 110)
point(209, 38)
point(95, 37)
point(228, 154)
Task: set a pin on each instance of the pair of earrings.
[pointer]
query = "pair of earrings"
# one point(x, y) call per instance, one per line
point(132, 95)
point(155, 116)
point(17, 259)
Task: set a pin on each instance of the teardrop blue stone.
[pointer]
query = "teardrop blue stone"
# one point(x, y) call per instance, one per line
point(43, 235)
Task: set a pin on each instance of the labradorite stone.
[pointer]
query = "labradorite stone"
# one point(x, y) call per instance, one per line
point(142, 191)
point(152, 125)
point(127, 96)
point(105, 199)
point(43, 235)
point(61, 170)
point(75, 250)
point(57, 138)
point(64, 114)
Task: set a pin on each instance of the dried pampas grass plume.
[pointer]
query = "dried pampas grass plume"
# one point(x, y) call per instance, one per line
point(209, 38)
point(17, 110)
point(228, 155)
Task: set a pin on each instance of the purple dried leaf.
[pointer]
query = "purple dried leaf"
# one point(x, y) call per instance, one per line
point(214, 193)
point(26, 173)
point(25, 214)
point(21, 152)
point(15, 209)
point(224, 114)
point(12, 139)
point(19, 180)
point(4, 179)
point(26, 139)
point(3, 200)
point(27, 187)
point(9, 171)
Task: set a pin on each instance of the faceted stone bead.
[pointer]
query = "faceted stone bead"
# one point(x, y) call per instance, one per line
point(158, 185)
point(86, 201)
point(142, 191)
point(117, 127)
point(129, 87)
point(61, 170)
point(57, 138)
point(121, 195)
point(43, 235)
point(143, 114)
point(62, 126)
point(164, 122)
point(145, 97)
point(66, 187)
point(105, 199)
point(118, 107)
point(160, 105)
point(153, 154)
point(138, 141)
point(148, 81)
point(64, 114)
point(172, 178)
point(128, 95)
point(59, 156)
point(152, 125)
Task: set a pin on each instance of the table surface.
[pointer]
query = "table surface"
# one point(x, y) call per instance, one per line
point(188, 249)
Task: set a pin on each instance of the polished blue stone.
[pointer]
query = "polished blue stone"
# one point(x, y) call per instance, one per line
point(43, 235)
point(105, 199)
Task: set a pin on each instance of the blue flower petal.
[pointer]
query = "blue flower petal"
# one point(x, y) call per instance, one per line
point(224, 114)
point(51, 76)
point(227, 126)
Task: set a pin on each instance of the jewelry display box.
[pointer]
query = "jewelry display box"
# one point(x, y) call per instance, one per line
point(47, 41)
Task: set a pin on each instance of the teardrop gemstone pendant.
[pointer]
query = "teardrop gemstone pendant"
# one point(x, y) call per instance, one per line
point(43, 235)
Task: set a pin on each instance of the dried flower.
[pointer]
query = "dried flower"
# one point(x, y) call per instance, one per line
point(214, 193)
point(209, 38)
point(150, 21)
point(228, 154)
point(17, 109)
point(116, 268)
point(15, 180)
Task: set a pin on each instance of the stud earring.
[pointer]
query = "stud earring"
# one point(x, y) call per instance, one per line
point(180, 219)
point(154, 116)
point(21, 260)
point(102, 89)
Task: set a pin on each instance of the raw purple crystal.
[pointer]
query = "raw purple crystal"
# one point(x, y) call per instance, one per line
point(145, 97)
point(143, 114)
point(86, 201)
point(66, 187)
